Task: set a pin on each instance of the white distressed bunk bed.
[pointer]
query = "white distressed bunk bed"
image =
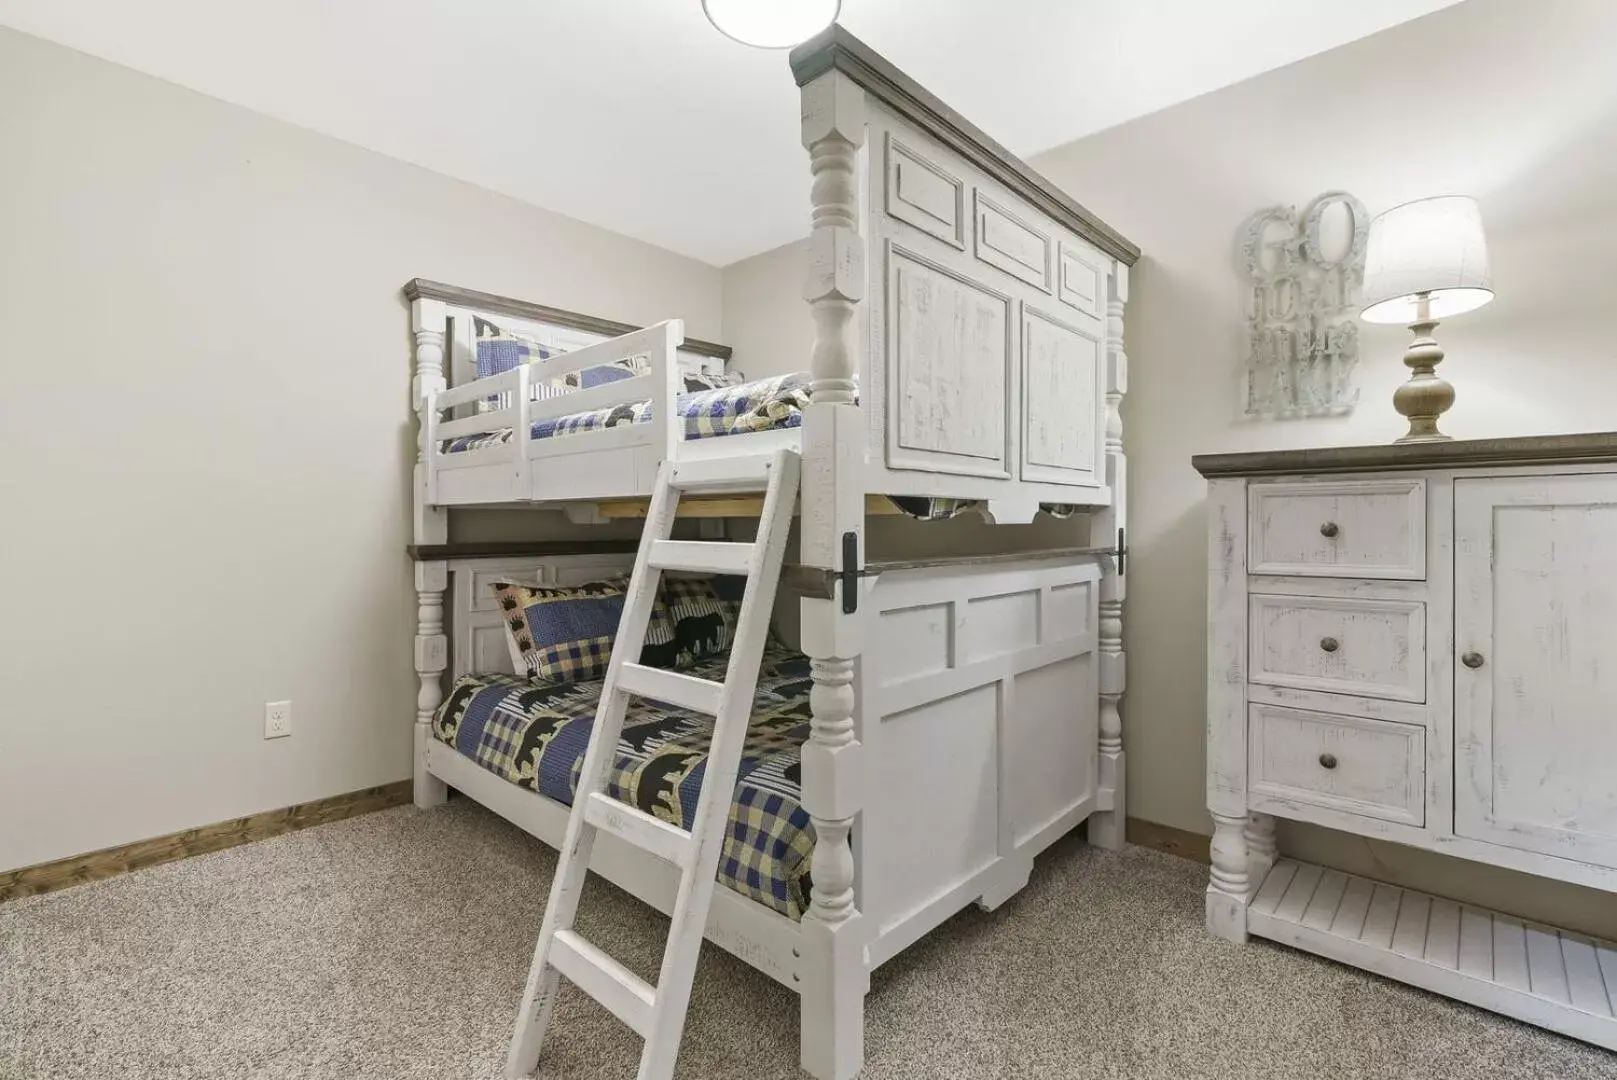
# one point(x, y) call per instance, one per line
point(961, 714)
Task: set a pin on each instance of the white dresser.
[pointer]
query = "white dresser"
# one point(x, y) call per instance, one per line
point(1419, 643)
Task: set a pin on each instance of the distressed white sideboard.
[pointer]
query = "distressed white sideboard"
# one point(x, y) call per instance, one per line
point(1419, 643)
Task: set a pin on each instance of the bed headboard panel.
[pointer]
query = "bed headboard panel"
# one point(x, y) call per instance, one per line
point(558, 327)
point(476, 629)
point(462, 359)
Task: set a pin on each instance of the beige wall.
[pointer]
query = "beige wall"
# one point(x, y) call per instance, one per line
point(766, 320)
point(1513, 103)
point(206, 437)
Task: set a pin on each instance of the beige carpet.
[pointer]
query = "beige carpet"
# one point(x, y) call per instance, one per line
point(394, 947)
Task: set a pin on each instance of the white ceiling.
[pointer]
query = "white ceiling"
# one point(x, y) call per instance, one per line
point(638, 116)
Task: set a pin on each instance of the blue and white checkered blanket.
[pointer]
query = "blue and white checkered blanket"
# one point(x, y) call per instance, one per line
point(534, 734)
point(763, 405)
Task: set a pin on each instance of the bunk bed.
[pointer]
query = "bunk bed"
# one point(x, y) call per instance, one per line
point(941, 721)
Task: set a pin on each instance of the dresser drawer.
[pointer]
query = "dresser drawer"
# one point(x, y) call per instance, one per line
point(1347, 645)
point(1363, 768)
point(1338, 528)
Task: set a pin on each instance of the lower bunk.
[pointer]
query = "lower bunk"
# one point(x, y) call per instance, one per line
point(975, 720)
point(534, 735)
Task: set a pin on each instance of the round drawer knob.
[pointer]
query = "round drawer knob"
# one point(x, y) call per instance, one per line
point(1329, 644)
point(1472, 659)
point(1329, 530)
point(1327, 761)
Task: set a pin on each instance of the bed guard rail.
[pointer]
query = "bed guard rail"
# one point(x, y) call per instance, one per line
point(533, 392)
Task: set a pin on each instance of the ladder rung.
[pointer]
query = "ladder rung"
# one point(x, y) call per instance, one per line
point(701, 556)
point(626, 995)
point(660, 684)
point(750, 472)
point(633, 825)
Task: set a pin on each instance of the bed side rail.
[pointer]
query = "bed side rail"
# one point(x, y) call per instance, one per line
point(527, 394)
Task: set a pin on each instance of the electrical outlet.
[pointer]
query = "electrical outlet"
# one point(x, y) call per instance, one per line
point(277, 719)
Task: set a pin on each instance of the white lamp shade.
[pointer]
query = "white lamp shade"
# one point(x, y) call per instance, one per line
point(1432, 246)
point(771, 24)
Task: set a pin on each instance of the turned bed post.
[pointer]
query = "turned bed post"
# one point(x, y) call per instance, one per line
point(1235, 832)
point(834, 974)
point(430, 525)
point(1108, 827)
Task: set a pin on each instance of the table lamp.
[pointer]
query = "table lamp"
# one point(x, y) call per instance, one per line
point(1425, 260)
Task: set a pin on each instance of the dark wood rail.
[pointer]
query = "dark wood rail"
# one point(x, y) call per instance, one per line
point(493, 304)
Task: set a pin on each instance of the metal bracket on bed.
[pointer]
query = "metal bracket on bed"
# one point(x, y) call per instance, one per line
point(1121, 553)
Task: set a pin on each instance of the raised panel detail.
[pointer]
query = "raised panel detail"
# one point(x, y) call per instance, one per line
point(1339, 528)
point(958, 738)
point(912, 643)
point(994, 625)
point(1343, 645)
point(491, 650)
point(924, 194)
point(1070, 608)
point(1081, 280)
point(1364, 768)
point(1052, 751)
point(948, 369)
point(1061, 372)
point(1535, 632)
point(1007, 242)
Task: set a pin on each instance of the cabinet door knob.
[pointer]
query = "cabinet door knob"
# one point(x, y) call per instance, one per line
point(1329, 644)
point(1327, 761)
point(1471, 659)
point(1329, 530)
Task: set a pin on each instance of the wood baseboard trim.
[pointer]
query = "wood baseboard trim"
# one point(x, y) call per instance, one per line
point(1180, 842)
point(110, 862)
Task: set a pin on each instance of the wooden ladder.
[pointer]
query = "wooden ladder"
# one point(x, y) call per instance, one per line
point(657, 1013)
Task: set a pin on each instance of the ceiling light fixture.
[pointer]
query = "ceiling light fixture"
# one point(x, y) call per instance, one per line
point(771, 24)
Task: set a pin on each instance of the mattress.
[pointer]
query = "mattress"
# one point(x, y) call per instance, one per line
point(534, 735)
point(763, 405)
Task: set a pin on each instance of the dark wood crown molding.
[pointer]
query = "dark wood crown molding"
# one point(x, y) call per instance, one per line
point(493, 304)
point(836, 49)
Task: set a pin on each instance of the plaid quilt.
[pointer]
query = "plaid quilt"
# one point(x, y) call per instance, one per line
point(763, 405)
point(534, 735)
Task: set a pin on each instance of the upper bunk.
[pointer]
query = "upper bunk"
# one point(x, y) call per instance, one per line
point(967, 310)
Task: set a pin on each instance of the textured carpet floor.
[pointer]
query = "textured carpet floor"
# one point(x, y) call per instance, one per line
point(393, 947)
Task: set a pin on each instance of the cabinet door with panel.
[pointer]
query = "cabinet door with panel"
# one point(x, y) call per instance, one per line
point(1535, 615)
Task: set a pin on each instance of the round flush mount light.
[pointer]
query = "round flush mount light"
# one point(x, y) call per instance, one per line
point(771, 24)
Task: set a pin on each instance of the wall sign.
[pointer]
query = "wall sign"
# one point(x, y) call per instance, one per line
point(1302, 334)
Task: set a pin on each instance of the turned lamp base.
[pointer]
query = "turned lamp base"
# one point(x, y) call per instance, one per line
point(1427, 395)
point(1425, 260)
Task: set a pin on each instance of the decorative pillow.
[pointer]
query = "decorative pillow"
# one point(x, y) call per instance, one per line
point(600, 374)
point(564, 633)
point(501, 350)
point(696, 619)
point(697, 381)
